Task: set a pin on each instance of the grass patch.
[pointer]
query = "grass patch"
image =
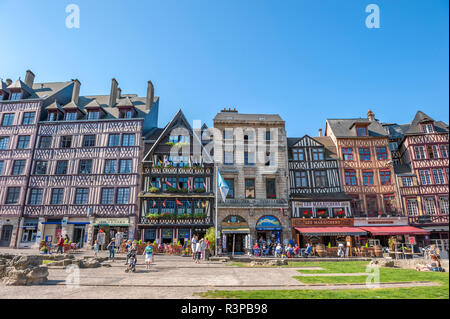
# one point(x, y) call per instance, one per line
point(332, 267)
point(47, 261)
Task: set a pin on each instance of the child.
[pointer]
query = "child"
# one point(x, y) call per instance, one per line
point(148, 252)
point(96, 246)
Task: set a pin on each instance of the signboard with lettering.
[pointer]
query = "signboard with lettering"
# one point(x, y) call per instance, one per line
point(424, 219)
point(321, 204)
point(305, 222)
point(111, 222)
point(374, 221)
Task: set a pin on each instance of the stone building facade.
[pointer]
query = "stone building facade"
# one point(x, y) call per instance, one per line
point(250, 152)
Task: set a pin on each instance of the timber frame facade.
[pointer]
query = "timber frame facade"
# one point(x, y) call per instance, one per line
point(177, 189)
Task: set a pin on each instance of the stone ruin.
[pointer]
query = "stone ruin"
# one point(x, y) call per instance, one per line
point(22, 270)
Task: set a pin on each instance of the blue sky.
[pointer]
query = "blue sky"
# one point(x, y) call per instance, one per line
point(305, 60)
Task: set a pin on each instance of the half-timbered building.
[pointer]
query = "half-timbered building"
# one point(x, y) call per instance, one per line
point(423, 173)
point(176, 198)
point(320, 210)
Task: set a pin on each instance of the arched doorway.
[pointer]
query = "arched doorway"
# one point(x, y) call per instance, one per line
point(268, 229)
point(235, 235)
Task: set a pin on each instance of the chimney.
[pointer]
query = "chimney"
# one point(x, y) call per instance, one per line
point(370, 116)
point(8, 82)
point(113, 94)
point(150, 95)
point(29, 78)
point(320, 132)
point(76, 91)
point(119, 93)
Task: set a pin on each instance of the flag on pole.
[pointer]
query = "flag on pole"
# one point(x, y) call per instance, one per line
point(178, 202)
point(160, 162)
point(189, 184)
point(222, 186)
point(167, 182)
point(164, 204)
point(154, 203)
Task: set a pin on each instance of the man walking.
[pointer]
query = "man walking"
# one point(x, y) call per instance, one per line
point(148, 252)
point(112, 247)
point(60, 245)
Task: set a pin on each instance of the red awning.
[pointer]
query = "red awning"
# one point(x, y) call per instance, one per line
point(395, 230)
point(331, 231)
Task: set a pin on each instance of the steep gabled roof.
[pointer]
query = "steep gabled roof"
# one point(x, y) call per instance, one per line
point(21, 85)
point(421, 117)
point(3, 87)
point(342, 128)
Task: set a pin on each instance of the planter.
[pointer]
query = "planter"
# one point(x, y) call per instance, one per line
point(320, 250)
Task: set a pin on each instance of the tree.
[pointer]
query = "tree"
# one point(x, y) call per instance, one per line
point(211, 236)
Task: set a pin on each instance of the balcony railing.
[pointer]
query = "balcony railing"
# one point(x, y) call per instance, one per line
point(176, 171)
point(176, 220)
point(252, 202)
point(428, 219)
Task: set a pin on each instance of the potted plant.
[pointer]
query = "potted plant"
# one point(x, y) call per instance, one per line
point(153, 189)
point(200, 190)
point(152, 216)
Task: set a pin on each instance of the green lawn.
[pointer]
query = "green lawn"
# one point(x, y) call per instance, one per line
point(47, 261)
point(386, 275)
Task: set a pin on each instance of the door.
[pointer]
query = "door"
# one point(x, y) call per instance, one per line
point(6, 234)
point(238, 243)
point(78, 235)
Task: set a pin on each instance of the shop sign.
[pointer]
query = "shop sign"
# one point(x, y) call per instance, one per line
point(412, 240)
point(111, 222)
point(363, 221)
point(64, 222)
point(234, 221)
point(268, 223)
point(302, 222)
point(424, 219)
point(321, 204)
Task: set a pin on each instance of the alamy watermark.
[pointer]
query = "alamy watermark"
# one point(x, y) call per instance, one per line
point(373, 19)
point(73, 19)
point(73, 277)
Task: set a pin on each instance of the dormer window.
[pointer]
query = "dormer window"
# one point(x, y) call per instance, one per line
point(361, 131)
point(51, 116)
point(127, 114)
point(15, 96)
point(71, 116)
point(93, 115)
point(1, 96)
point(427, 128)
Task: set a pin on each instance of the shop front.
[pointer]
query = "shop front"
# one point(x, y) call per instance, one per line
point(107, 228)
point(269, 229)
point(172, 234)
point(8, 231)
point(235, 234)
point(50, 229)
point(29, 232)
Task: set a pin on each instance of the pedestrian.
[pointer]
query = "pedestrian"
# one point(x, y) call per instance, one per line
point(198, 251)
point(127, 249)
point(207, 249)
point(60, 245)
point(66, 239)
point(148, 252)
point(193, 245)
point(96, 246)
point(278, 250)
point(203, 248)
point(112, 247)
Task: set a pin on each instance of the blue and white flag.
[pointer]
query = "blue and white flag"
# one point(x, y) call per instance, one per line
point(222, 185)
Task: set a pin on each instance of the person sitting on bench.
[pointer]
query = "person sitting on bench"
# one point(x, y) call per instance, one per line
point(306, 252)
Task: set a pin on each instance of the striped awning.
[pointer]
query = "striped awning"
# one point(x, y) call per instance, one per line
point(395, 230)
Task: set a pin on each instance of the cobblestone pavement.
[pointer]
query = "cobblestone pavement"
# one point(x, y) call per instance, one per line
point(169, 277)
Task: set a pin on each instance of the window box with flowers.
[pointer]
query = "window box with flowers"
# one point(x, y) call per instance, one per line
point(307, 214)
point(167, 215)
point(199, 215)
point(322, 213)
point(199, 190)
point(154, 190)
point(340, 213)
point(152, 216)
point(184, 216)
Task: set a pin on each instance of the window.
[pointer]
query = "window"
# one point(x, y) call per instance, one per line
point(23, 142)
point(57, 196)
point(85, 167)
point(228, 134)
point(125, 166)
point(393, 146)
point(407, 181)
point(298, 154)
point(128, 140)
point(71, 116)
point(347, 154)
point(81, 196)
point(28, 118)
point(107, 196)
point(317, 154)
point(228, 158)
point(113, 140)
point(382, 153)
point(2, 163)
point(427, 128)
point(271, 188)
point(385, 177)
point(444, 151)
point(301, 180)
point(350, 177)
point(61, 167)
point(123, 195)
point(40, 168)
point(320, 178)
point(230, 183)
point(249, 188)
point(364, 154)
point(182, 182)
point(372, 207)
point(419, 152)
point(18, 167)
point(430, 206)
point(127, 114)
point(110, 166)
point(8, 119)
point(361, 131)
point(65, 142)
point(433, 151)
point(35, 196)
point(4, 141)
point(269, 159)
point(268, 136)
point(368, 178)
point(389, 203)
point(199, 182)
point(425, 178)
point(93, 115)
point(45, 142)
point(249, 158)
point(356, 205)
point(438, 176)
point(89, 141)
point(443, 204)
point(15, 96)
point(12, 195)
point(51, 116)
point(412, 207)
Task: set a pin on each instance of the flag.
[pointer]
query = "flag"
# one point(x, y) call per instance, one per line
point(164, 204)
point(189, 184)
point(188, 203)
point(167, 182)
point(178, 202)
point(160, 162)
point(222, 185)
point(160, 186)
point(154, 204)
point(198, 204)
point(204, 185)
point(203, 204)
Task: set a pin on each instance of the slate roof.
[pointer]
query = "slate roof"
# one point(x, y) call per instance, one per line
point(421, 117)
point(403, 169)
point(343, 128)
point(236, 117)
point(3, 87)
point(330, 147)
point(21, 85)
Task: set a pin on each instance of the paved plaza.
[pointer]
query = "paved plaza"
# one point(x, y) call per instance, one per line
point(169, 277)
